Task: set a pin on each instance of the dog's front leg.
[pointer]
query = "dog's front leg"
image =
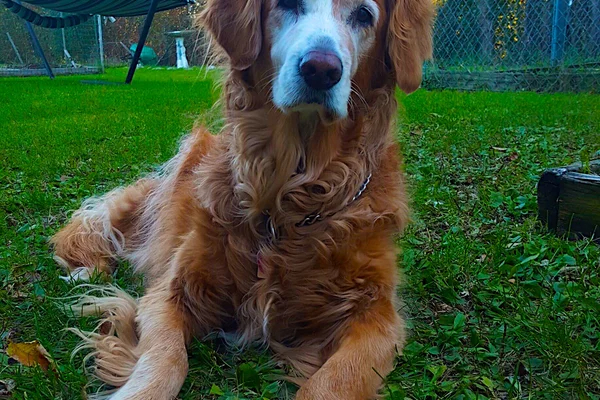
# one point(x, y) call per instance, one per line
point(162, 365)
point(192, 299)
point(365, 354)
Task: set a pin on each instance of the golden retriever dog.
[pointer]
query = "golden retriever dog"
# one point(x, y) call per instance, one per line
point(280, 228)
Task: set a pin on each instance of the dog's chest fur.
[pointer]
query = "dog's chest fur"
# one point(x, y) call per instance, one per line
point(298, 288)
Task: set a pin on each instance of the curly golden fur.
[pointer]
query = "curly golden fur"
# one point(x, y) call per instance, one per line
point(324, 295)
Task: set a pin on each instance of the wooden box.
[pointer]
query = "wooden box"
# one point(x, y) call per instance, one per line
point(569, 200)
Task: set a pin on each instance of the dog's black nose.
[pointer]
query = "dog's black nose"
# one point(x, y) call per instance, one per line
point(321, 70)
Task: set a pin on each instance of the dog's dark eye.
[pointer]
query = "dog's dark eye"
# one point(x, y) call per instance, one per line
point(364, 16)
point(288, 4)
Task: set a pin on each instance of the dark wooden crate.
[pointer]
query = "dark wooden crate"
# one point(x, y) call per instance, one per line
point(569, 200)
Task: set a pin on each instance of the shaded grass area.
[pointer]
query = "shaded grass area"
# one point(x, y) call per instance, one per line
point(497, 308)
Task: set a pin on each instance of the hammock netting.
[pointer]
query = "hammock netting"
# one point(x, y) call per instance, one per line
point(82, 10)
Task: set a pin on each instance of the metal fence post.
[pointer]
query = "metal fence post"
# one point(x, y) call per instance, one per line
point(559, 31)
point(100, 41)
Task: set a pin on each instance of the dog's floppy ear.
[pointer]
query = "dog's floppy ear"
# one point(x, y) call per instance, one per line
point(409, 40)
point(236, 26)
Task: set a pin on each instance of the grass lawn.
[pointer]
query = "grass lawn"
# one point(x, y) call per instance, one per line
point(497, 307)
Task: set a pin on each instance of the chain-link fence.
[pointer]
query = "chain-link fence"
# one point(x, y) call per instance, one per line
point(99, 42)
point(538, 45)
point(70, 50)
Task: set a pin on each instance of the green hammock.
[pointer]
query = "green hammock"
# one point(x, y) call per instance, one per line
point(83, 9)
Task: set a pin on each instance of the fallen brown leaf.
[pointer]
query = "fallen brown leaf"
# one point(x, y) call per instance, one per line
point(443, 308)
point(29, 354)
point(15, 292)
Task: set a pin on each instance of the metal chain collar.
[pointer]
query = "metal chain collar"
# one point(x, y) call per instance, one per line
point(312, 218)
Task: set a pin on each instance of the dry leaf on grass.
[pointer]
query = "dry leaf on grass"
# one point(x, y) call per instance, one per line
point(443, 308)
point(29, 354)
point(15, 292)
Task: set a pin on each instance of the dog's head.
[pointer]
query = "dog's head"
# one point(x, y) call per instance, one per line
point(312, 54)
